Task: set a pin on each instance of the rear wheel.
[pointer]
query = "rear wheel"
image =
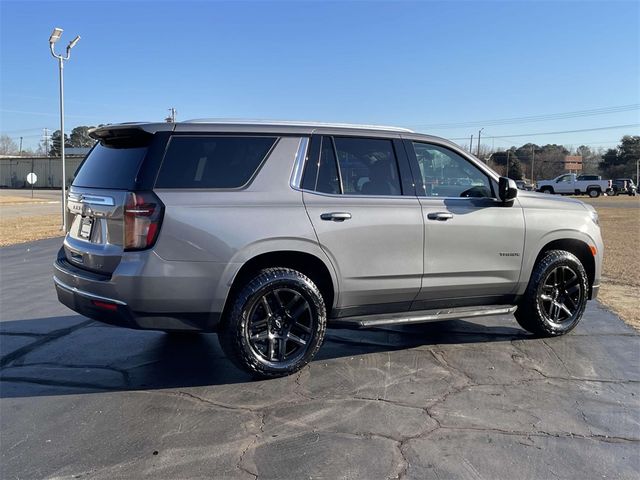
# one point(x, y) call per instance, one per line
point(556, 296)
point(548, 190)
point(276, 324)
point(593, 192)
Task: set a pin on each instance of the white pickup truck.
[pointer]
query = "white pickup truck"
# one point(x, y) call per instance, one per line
point(570, 184)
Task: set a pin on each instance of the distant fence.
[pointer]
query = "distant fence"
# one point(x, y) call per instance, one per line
point(14, 171)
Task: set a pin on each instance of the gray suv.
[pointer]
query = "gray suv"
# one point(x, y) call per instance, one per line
point(267, 233)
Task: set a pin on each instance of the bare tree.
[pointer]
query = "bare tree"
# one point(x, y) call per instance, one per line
point(7, 145)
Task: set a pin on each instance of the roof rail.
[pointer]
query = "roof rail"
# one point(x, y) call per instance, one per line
point(295, 124)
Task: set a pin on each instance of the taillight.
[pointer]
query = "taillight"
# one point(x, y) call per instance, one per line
point(142, 217)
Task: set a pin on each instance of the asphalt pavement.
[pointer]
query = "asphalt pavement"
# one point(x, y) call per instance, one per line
point(456, 399)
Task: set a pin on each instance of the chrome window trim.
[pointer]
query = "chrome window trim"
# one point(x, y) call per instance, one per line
point(298, 164)
point(420, 197)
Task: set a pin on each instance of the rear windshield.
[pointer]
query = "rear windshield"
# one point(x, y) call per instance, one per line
point(110, 167)
point(212, 161)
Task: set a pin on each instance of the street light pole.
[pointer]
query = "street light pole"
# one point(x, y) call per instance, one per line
point(62, 157)
point(55, 36)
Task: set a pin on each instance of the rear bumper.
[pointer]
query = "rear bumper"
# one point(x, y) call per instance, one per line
point(94, 306)
point(116, 300)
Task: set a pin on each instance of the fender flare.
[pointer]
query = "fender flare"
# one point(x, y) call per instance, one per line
point(531, 253)
point(270, 245)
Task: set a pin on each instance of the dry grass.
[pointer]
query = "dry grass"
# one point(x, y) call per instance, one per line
point(26, 229)
point(620, 223)
point(17, 200)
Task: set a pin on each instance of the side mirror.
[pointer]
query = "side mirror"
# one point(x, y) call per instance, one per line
point(507, 189)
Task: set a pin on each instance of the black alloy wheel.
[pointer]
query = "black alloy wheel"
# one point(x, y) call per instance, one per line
point(276, 323)
point(556, 295)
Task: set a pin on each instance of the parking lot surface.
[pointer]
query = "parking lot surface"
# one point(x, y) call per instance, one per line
point(441, 400)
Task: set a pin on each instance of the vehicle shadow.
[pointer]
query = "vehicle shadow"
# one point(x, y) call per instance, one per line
point(73, 355)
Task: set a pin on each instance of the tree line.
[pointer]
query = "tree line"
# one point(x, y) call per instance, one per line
point(548, 161)
point(78, 138)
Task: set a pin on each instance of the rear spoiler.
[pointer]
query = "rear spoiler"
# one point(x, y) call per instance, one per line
point(122, 132)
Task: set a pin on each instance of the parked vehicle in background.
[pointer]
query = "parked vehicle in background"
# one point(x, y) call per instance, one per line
point(270, 233)
point(570, 184)
point(624, 186)
point(525, 185)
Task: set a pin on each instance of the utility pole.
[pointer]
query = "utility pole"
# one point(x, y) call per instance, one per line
point(533, 157)
point(508, 152)
point(471, 144)
point(20, 154)
point(45, 138)
point(172, 116)
point(479, 132)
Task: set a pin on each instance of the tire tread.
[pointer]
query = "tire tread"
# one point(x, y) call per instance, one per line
point(230, 336)
point(528, 314)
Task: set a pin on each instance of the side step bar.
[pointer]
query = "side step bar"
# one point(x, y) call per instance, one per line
point(405, 318)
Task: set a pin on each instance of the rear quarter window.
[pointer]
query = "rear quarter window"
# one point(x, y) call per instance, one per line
point(212, 161)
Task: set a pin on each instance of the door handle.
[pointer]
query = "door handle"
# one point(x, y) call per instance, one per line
point(441, 216)
point(336, 216)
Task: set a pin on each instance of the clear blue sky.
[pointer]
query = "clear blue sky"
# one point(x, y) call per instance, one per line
point(411, 64)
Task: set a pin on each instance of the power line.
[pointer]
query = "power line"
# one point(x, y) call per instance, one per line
point(22, 130)
point(535, 118)
point(613, 127)
point(46, 114)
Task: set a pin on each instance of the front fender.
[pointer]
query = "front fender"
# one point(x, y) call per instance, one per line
point(536, 241)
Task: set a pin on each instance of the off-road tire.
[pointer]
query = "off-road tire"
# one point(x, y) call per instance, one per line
point(531, 314)
point(235, 338)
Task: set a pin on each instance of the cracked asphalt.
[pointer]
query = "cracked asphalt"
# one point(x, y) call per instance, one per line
point(442, 400)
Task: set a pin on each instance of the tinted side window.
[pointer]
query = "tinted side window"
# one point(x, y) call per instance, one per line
point(367, 166)
point(447, 174)
point(110, 167)
point(328, 180)
point(212, 162)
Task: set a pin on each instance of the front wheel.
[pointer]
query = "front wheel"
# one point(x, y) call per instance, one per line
point(276, 324)
point(556, 296)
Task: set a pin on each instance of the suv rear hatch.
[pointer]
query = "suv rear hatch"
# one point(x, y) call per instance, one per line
point(107, 213)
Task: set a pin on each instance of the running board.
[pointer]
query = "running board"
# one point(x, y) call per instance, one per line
point(405, 318)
